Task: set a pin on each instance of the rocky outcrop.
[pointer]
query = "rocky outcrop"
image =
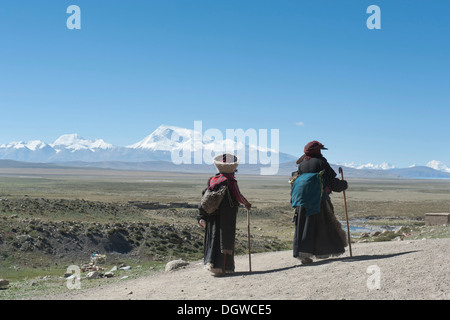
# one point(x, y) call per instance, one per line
point(175, 264)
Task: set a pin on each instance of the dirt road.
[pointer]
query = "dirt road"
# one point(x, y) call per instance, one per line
point(405, 270)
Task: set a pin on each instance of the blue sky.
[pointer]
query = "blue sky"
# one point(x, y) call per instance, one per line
point(311, 69)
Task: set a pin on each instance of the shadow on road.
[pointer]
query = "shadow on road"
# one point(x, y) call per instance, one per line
point(372, 257)
point(322, 262)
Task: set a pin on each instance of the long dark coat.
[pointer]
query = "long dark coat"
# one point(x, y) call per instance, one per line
point(220, 234)
point(319, 235)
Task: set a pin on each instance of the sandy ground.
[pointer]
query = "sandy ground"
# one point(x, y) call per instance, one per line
point(404, 270)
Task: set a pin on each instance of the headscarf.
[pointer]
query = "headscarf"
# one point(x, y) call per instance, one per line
point(311, 149)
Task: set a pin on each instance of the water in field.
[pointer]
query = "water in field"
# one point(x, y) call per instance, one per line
point(357, 227)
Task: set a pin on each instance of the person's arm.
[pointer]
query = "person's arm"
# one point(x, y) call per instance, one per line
point(238, 195)
point(201, 216)
point(335, 184)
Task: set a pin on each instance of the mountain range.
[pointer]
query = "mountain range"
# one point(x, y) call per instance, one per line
point(155, 151)
point(158, 146)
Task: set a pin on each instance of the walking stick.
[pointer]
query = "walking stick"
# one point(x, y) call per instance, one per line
point(248, 236)
point(346, 215)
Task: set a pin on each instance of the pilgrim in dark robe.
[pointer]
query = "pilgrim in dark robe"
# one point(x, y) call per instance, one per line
point(318, 234)
point(220, 226)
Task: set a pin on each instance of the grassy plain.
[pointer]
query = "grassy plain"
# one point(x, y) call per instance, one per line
point(77, 204)
point(383, 197)
point(383, 200)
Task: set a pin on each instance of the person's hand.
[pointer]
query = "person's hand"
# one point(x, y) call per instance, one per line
point(345, 184)
point(248, 206)
point(202, 223)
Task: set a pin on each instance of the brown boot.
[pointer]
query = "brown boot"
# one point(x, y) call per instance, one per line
point(306, 260)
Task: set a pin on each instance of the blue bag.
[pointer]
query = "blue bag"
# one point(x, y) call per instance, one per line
point(307, 192)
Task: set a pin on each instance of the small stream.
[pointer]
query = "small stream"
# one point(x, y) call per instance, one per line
point(360, 226)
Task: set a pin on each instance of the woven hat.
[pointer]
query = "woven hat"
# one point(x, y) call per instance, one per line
point(226, 163)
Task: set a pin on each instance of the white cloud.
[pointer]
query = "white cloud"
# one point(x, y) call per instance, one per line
point(300, 123)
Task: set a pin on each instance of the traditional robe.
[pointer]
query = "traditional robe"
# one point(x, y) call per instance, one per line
point(220, 231)
point(319, 235)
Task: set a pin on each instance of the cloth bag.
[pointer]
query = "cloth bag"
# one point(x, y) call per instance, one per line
point(307, 191)
point(212, 198)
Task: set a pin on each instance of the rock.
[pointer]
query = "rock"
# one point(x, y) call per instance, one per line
point(175, 264)
point(125, 268)
point(71, 277)
point(90, 267)
point(3, 283)
point(93, 275)
point(108, 274)
point(375, 233)
point(402, 230)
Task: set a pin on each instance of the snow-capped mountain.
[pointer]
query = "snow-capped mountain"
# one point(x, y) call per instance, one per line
point(167, 138)
point(68, 147)
point(159, 145)
point(74, 143)
point(382, 166)
point(434, 169)
point(154, 152)
point(35, 150)
point(170, 138)
point(31, 145)
point(438, 165)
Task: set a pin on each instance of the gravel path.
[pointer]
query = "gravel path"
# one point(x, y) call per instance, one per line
point(406, 270)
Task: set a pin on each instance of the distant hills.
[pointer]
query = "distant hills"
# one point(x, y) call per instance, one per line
point(285, 169)
point(154, 152)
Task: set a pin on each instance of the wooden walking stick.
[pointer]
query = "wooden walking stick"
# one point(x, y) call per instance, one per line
point(248, 236)
point(346, 215)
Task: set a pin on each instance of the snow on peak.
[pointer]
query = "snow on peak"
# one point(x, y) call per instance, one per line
point(382, 166)
point(68, 139)
point(32, 145)
point(35, 145)
point(166, 138)
point(169, 138)
point(75, 142)
point(438, 165)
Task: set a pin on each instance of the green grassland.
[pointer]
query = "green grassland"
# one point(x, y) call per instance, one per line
point(52, 218)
